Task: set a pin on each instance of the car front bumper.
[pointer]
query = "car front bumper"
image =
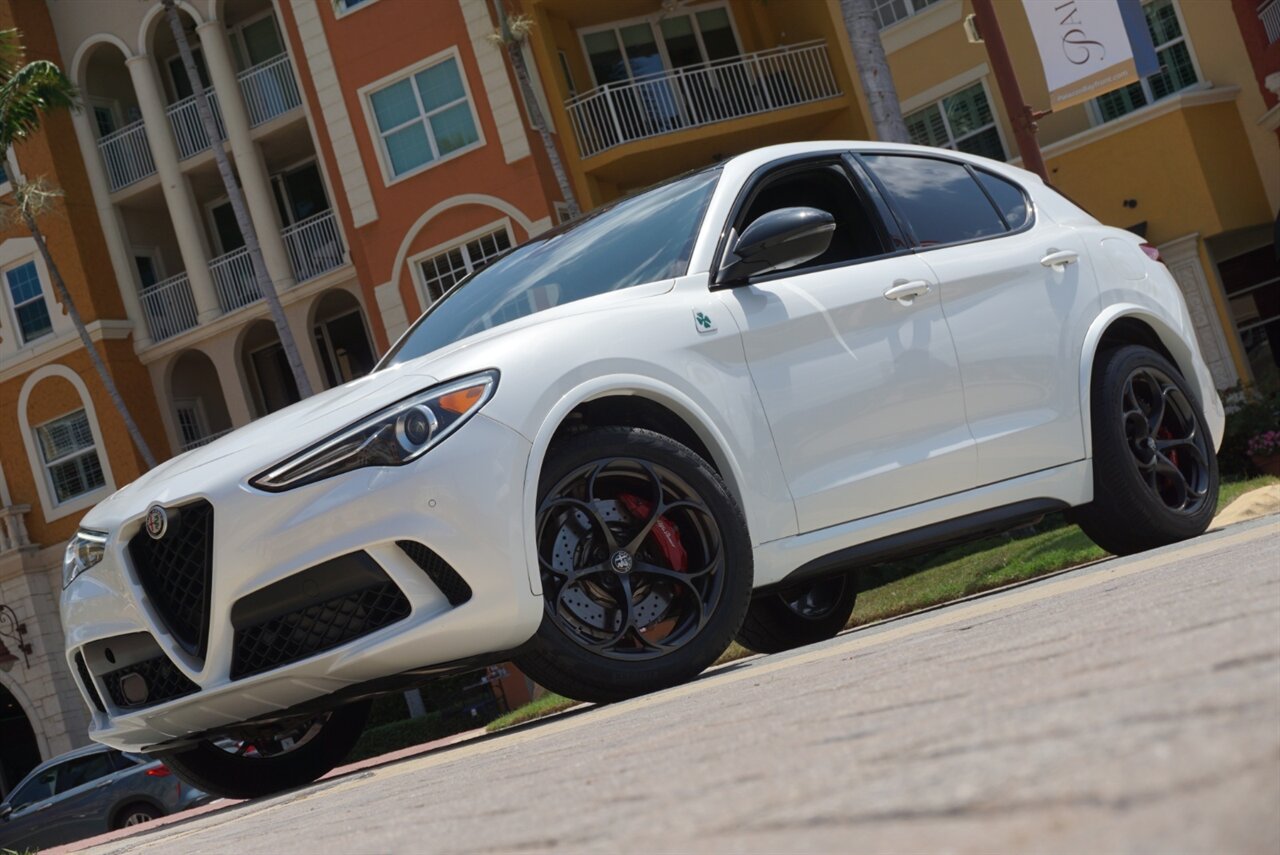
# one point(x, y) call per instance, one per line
point(464, 500)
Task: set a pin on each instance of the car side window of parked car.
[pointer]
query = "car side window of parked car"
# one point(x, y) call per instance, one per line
point(82, 770)
point(825, 186)
point(37, 789)
point(1008, 197)
point(940, 200)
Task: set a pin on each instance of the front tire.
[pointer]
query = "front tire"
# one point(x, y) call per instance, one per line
point(646, 566)
point(802, 614)
point(1155, 473)
point(253, 765)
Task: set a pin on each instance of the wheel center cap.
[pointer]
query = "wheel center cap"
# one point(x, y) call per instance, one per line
point(621, 561)
point(1150, 444)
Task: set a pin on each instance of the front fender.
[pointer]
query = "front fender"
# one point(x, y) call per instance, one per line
point(1184, 349)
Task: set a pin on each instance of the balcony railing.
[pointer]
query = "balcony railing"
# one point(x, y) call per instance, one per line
point(13, 530)
point(1269, 14)
point(703, 94)
point(269, 90)
point(314, 245)
point(233, 278)
point(205, 440)
point(169, 307)
point(126, 155)
point(188, 131)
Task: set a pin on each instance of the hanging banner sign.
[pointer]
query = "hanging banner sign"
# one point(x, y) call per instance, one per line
point(1084, 47)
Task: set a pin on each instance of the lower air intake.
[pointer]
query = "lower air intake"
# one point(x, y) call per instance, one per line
point(454, 587)
point(147, 683)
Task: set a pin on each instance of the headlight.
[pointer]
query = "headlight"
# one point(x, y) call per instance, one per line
point(392, 437)
point(84, 551)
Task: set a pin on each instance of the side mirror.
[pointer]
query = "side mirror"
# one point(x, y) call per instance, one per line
point(775, 241)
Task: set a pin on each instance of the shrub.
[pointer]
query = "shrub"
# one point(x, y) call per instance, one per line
point(1248, 415)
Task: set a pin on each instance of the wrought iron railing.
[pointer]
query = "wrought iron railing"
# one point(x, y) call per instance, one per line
point(188, 131)
point(234, 280)
point(205, 440)
point(269, 90)
point(314, 245)
point(1269, 14)
point(169, 307)
point(696, 95)
point(126, 154)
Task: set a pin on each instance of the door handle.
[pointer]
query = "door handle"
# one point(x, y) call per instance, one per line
point(1060, 258)
point(904, 292)
point(45, 806)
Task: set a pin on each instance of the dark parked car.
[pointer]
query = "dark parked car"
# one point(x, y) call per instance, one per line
point(90, 791)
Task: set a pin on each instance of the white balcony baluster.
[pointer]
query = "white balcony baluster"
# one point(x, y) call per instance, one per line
point(126, 155)
point(702, 94)
point(233, 278)
point(169, 307)
point(1269, 14)
point(314, 245)
point(269, 89)
point(205, 440)
point(188, 131)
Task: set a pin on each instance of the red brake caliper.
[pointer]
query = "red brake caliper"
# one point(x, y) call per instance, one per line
point(667, 535)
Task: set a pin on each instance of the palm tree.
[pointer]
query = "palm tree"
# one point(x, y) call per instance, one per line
point(873, 70)
point(28, 92)
point(511, 34)
point(235, 196)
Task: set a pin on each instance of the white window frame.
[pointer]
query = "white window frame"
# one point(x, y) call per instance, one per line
point(1095, 113)
point(45, 295)
point(912, 11)
point(654, 22)
point(47, 465)
point(342, 10)
point(157, 261)
point(235, 35)
point(951, 137)
point(376, 135)
point(98, 102)
point(459, 242)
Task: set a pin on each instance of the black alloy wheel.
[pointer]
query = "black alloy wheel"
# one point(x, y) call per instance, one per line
point(1155, 473)
point(645, 565)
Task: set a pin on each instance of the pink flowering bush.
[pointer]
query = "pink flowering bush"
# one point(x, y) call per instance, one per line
point(1266, 444)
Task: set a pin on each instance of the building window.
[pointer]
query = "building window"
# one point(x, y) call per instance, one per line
point(27, 297)
point(441, 272)
point(892, 11)
point(625, 51)
point(962, 121)
point(1177, 71)
point(424, 117)
point(348, 5)
point(70, 456)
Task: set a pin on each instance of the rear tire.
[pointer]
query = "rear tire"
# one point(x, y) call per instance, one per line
point(646, 566)
point(1155, 472)
point(800, 615)
point(135, 814)
point(223, 773)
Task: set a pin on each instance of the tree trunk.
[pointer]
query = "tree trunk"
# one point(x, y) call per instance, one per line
point(513, 46)
point(236, 197)
point(873, 70)
point(96, 358)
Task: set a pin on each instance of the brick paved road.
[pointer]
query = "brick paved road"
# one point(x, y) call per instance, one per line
point(1132, 706)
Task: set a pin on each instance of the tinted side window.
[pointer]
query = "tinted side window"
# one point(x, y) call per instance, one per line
point(37, 789)
point(1008, 198)
point(827, 188)
point(940, 200)
point(82, 770)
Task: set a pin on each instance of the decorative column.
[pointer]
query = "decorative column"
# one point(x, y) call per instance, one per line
point(253, 173)
point(177, 192)
point(112, 229)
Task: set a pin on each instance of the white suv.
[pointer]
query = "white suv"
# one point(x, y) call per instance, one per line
point(684, 418)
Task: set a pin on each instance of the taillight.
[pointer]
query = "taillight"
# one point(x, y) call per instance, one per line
point(161, 771)
point(1152, 252)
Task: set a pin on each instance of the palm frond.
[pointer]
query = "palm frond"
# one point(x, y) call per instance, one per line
point(31, 91)
point(12, 52)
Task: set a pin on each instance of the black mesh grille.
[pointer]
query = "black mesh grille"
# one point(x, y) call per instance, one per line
point(164, 683)
point(310, 630)
point(454, 587)
point(87, 681)
point(175, 571)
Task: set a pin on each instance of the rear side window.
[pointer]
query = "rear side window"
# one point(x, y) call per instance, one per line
point(939, 198)
point(1008, 198)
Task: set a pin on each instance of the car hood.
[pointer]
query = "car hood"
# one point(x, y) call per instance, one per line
point(260, 444)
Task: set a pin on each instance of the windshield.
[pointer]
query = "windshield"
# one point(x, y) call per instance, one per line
point(644, 238)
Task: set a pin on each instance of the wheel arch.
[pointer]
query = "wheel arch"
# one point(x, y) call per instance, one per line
point(627, 401)
point(1134, 324)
